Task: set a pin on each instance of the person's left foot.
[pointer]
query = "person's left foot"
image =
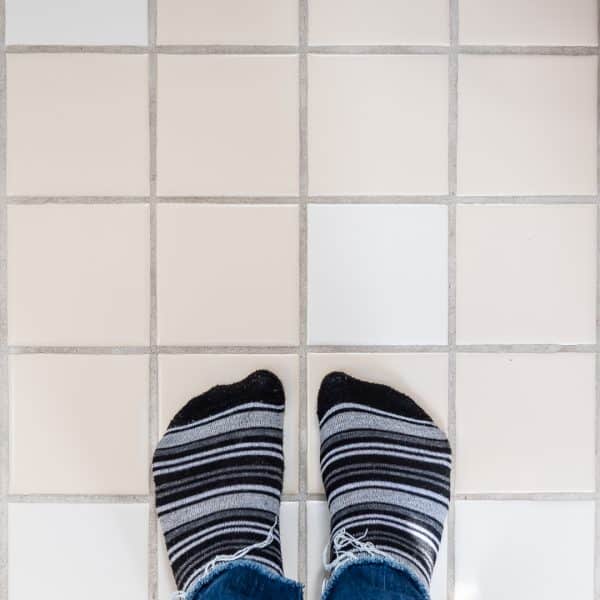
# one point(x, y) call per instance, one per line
point(218, 473)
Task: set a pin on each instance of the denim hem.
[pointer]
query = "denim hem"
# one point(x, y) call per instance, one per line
point(374, 560)
point(199, 584)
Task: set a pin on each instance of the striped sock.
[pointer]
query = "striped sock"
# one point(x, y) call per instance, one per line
point(386, 470)
point(218, 474)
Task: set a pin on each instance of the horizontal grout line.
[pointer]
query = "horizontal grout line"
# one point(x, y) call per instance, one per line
point(80, 498)
point(512, 496)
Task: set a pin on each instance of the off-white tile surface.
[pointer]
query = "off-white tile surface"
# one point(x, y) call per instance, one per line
point(78, 124)
point(383, 22)
point(525, 422)
point(377, 125)
point(524, 549)
point(526, 125)
point(78, 275)
point(89, 22)
point(79, 424)
point(532, 277)
point(227, 274)
point(69, 550)
point(528, 22)
point(423, 377)
point(182, 378)
point(227, 22)
point(227, 125)
point(377, 274)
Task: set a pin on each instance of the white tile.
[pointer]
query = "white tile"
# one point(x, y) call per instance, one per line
point(261, 22)
point(526, 274)
point(89, 22)
point(423, 377)
point(528, 22)
point(85, 280)
point(527, 125)
point(377, 274)
point(183, 377)
point(64, 551)
point(384, 22)
point(227, 125)
point(439, 578)
point(525, 422)
point(524, 549)
point(377, 125)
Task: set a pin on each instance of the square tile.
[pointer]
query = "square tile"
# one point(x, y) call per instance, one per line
point(377, 274)
point(261, 22)
point(92, 22)
point(90, 431)
point(227, 275)
point(77, 125)
point(378, 124)
point(317, 516)
point(527, 125)
point(64, 550)
point(424, 377)
point(525, 422)
point(227, 125)
point(526, 274)
point(385, 22)
point(288, 519)
point(183, 377)
point(529, 22)
point(85, 280)
point(540, 549)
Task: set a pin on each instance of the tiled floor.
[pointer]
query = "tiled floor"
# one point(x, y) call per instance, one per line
point(193, 189)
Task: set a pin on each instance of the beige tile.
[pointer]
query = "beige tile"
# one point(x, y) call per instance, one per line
point(367, 135)
point(182, 377)
point(527, 125)
point(532, 277)
point(78, 275)
point(227, 125)
point(260, 22)
point(77, 124)
point(228, 275)
point(424, 377)
point(528, 22)
point(79, 424)
point(525, 422)
point(383, 22)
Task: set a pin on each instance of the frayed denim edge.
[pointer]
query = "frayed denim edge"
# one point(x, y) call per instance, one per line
point(198, 585)
point(394, 564)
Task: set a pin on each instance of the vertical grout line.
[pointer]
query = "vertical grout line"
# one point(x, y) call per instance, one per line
point(452, 182)
point(302, 224)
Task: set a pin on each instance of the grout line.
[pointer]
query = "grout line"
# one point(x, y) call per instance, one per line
point(80, 498)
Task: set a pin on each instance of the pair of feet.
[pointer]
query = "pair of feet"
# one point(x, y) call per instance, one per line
point(218, 473)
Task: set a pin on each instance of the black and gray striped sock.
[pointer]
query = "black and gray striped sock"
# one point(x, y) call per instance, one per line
point(218, 474)
point(386, 470)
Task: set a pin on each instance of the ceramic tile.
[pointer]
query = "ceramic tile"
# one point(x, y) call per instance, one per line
point(260, 22)
point(227, 275)
point(85, 280)
point(367, 134)
point(69, 132)
point(532, 278)
point(183, 377)
point(526, 125)
point(93, 22)
point(525, 422)
point(98, 548)
point(534, 549)
point(528, 22)
point(386, 22)
point(227, 125)
point(377, 274)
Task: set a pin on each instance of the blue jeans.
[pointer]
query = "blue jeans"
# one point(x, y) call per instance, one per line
point(363, 579)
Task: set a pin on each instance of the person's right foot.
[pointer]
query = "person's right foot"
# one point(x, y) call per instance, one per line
point(386, 470)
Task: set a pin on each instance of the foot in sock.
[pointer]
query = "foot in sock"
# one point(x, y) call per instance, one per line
point(218, 474)
point(386, 470)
